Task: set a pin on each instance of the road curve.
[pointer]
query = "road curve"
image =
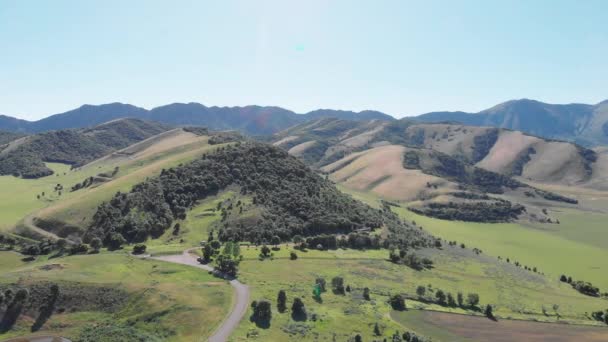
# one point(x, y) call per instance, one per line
point(242, 295)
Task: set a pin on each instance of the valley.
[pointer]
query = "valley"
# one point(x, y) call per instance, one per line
point(357, 217)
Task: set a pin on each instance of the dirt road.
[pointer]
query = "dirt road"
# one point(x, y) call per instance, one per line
point(242, 296)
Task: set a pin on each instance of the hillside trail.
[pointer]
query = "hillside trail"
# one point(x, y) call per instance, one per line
point(28, 223)
point(243, 294)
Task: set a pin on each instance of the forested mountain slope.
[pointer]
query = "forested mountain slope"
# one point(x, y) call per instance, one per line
point(292, 200)
point(25, 157)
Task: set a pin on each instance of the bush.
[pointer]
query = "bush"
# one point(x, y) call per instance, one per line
point(293, 256)
point(139, 249)
point(397, 302)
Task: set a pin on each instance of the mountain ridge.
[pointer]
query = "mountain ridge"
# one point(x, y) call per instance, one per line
point(251, 119)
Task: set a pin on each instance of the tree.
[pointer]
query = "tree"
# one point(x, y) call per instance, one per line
point(441, 297)
point(139, 249)
point(61, 244)
point(116, 241)
point(265, 252)
point(227, 266)
point(451, 301)
point(377, 330)
point(298, 311)
point(298, 239)
point(358, 338)
point(489, 312)
point(460, 299)
point(293, 256)
point(321, 282)
point(421, 291)
point(276, 241)
point(337, 284)
point(207, 253)
point(215, 244)
point(262, 312)
point(472, 299)
point(366, 293)
point(397, 302)
point(282, 301)
point(96, 244)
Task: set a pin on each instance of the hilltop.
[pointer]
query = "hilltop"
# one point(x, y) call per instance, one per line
point(25, 156)
point(581, 123)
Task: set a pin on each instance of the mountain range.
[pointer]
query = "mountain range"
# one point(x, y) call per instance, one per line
point(581, 123)
point(253, 120)
point(584, 124)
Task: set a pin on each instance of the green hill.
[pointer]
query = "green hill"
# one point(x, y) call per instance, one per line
point(26, 157)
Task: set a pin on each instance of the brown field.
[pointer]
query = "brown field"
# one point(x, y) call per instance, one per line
point(505, 151)
point(380, 170)
point(301, 148)
point(456, 327)
point(285, 140)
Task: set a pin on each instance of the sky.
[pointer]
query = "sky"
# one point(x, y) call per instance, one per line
point(400, 57)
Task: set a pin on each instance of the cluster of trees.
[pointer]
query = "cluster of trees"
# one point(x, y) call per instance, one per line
point(354, 240)
point(7, 242)
point(443, 298)
point(497, 210)
point(601, 316)
point(102, 177)
point(583, 287)
point(412, 260)
point(13, 306)
point(396, 336)
point(227, 260)
point(525, 267)
point(296, 200)
point(262, 309)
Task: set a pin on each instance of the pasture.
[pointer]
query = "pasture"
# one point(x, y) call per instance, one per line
point(169, 301)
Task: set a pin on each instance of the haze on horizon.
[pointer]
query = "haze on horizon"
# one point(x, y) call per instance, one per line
point(401, 58)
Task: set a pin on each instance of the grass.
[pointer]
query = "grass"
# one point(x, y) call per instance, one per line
point(183, 299)
point(554, 253)
point(578, 246)
point(516, 293)
point(19, 196)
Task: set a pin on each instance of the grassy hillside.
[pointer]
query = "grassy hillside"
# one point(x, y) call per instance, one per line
point(148, 158)
point(293, 199)
point(507, 152)
point(26, 157)
point(110, 297)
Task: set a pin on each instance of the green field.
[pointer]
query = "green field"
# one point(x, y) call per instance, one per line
point(578, 246)
point(164, 298)
point(515, 293)
point(19, 196)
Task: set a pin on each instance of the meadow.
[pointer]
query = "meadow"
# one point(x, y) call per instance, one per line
point(575, 247)
point(514, 293)
point(169, 301)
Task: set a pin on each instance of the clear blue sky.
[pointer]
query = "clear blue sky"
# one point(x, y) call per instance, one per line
point(400, 57)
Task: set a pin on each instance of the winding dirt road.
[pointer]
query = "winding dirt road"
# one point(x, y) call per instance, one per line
point(242, 295)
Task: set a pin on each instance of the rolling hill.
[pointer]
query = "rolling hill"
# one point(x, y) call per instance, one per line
point(447, 170)
point(184, 186)
point(253, 120)
point(25, 157)
point(581, 123)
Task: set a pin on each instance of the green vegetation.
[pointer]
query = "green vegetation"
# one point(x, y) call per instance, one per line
point(298, 202)
point(165, 301)
point(73, 147)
